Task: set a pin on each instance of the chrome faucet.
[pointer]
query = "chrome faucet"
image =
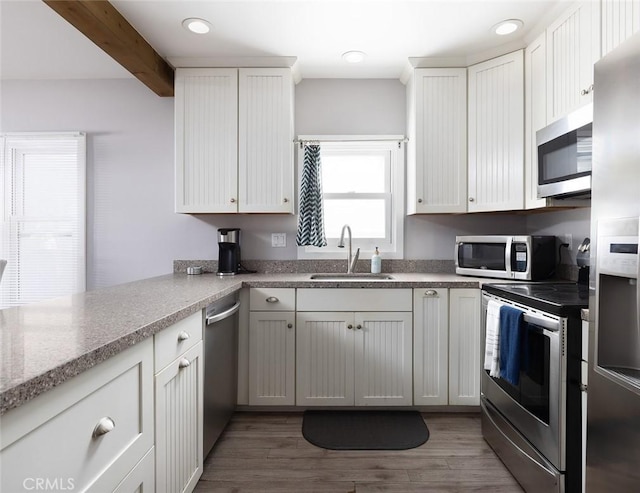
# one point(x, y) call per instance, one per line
point(351, 261)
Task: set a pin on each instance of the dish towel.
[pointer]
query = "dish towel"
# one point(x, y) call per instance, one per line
point(510, 336)
point(492, 339)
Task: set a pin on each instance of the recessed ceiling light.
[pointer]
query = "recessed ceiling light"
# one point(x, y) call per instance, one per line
point(507, 27)
point(195, 25)
point(354, 56)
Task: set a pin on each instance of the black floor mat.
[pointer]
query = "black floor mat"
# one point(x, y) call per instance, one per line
point(365, 430)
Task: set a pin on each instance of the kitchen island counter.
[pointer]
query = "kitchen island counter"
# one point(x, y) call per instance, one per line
point(47, 343)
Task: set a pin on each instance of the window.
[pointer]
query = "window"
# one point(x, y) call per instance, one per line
point(43, 216)
point(363, 186)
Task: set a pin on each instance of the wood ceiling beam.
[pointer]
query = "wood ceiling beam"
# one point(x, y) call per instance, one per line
point(99, 21)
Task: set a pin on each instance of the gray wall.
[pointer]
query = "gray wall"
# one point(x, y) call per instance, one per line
point(132, 231)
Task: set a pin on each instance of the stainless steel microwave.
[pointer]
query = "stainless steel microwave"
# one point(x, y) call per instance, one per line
point(527, 258)
point(565, 154)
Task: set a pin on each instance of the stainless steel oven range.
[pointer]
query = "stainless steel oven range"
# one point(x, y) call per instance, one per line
point(535, 426)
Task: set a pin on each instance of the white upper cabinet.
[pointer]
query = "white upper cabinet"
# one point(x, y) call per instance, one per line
point(573, 46)
point(619, 20)
point(496, 121)
point(535, 90)
point(437, 147)
point(234, 140)
point(265, 140)
point(206, 119)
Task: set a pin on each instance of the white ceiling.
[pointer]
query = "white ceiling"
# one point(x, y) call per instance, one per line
point(36, 43)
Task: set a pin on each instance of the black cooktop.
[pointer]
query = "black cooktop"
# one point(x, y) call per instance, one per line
point(559, 298)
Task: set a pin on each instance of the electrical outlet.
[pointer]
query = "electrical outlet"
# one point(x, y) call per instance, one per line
point(278, 240)
point(568, 239)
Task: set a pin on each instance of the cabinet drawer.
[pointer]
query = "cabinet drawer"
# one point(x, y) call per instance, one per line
point(175, 340)
point(268, 299)
point(53, 438)
point(371, 300)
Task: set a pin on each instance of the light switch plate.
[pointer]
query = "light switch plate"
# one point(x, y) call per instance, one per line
point(278, 240)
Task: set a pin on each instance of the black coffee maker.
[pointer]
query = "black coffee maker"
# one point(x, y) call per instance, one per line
point(228, 251)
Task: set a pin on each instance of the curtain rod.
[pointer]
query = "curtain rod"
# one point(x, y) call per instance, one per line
point(305, 142)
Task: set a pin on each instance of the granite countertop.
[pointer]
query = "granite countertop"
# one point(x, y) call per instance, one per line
point(47, 343)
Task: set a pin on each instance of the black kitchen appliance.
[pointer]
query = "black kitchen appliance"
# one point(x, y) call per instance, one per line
point(228, 251)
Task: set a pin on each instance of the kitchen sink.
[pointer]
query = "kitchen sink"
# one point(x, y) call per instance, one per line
point(351, 277)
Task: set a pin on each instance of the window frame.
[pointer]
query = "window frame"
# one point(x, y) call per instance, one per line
point(14, 147)
point(395, 146)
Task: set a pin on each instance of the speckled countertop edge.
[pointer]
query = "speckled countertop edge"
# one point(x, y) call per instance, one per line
point(107, 321)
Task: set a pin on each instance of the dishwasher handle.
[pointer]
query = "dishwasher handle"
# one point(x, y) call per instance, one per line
point(221, 316)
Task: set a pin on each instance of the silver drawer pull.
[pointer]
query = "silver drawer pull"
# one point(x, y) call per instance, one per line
point(272, 299)
point(359, 327)
point(104, 426)
point(349, 326)
point(184, 363)
point(183, 336)
point(431, 292)
point(289, 326)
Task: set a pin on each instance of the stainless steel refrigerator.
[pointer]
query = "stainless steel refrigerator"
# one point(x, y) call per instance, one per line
point(613, 403)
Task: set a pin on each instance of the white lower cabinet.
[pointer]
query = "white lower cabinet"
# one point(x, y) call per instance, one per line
point(143, 477)
point(179, 412)
point(358, 358)
point(431, 347)
point(446, 347)
point(86, 434)
point(464, 346)
point(361, 358)
point(272, 346)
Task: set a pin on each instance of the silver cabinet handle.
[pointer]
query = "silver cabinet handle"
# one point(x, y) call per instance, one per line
point(104, 426)
point(285, 200)
point(184, 363)
point(212, 319)
point(431, 292)
point(272, 299)
point(588, 90)
point(419, 201)
point(233, 201)
point(183, 336)
point(471, 199)
point(349, 326)
point(289, 326)
point(359, 327)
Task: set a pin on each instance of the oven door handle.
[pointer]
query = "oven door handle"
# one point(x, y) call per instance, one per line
point(551, 325)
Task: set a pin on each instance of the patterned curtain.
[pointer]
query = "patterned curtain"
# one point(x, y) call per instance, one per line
point(311, 220)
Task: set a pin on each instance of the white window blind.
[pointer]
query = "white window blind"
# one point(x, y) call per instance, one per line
point(43, 216)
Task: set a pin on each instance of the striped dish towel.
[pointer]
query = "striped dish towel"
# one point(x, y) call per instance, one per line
point(492, 339)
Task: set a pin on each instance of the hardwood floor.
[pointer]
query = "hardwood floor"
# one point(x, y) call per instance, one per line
point(266, 452)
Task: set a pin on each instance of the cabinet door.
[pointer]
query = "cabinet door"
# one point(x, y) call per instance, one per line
point(324, 358)
point(141, 479)
point(179, 423)
point(430, 347)
point(496, 129)
point(535, 92)
point(464, 347)
point(206, 114)
point(383, 359)
point(573, 46)
point(272, 339)
point(265, 140)
point(619, 20)
point(437, 148)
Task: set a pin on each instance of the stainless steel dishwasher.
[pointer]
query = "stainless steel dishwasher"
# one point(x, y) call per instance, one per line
point(220, 367)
